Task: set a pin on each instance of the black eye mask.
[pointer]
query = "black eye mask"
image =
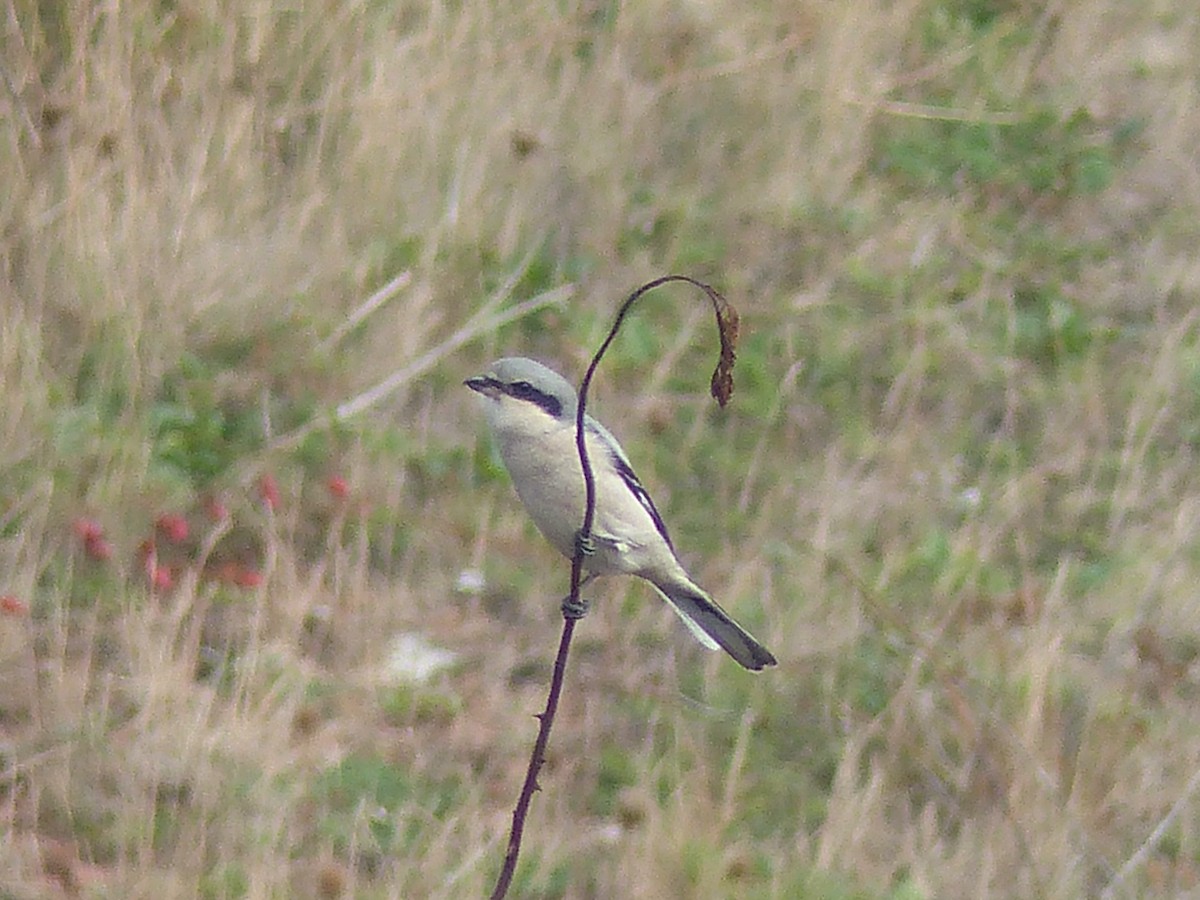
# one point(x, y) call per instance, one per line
point(523, 390)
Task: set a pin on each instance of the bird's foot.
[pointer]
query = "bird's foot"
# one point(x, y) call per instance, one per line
point(574, 609)
point(584, 544)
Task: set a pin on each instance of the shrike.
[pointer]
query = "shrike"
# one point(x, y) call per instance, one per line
point(531, 411)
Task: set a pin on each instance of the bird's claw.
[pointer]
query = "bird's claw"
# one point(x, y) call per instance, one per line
point(585, 544)
point(574, 608)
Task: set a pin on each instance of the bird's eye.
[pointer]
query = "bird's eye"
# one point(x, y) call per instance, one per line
point(522, 390)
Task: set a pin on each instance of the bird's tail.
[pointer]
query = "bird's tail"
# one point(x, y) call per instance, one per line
point(712, 626)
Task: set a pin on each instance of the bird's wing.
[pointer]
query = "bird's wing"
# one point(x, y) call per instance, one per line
point(625, 470)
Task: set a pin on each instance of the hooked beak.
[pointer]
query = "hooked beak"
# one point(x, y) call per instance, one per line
point(483, 384)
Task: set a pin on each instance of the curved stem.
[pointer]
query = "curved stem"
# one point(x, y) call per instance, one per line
point(722, 388)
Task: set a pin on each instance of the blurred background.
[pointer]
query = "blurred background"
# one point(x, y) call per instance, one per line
point(272, 622)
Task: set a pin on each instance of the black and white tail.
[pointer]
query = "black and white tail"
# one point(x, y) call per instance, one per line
point(713, 627)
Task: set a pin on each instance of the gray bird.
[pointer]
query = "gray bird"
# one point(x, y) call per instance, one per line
point(531, 411)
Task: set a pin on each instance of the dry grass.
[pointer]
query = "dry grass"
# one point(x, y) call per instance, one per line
point(955, 492)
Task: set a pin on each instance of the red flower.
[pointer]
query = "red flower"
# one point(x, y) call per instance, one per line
point(11, 606)
point(173, 527)
point(98, 548)
point(215, 509)
point(246, 577)
point(338, 487)
point(268, 491)
point(161, 578)
point(87, 529)
point(91, 534)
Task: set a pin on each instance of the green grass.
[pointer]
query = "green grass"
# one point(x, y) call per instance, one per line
point(954, 491)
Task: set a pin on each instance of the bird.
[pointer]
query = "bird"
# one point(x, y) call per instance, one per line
point(531, 411)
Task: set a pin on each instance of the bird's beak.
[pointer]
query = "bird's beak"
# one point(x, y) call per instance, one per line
point(482, 384)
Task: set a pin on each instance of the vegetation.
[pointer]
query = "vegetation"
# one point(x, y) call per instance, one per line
point(954, 491)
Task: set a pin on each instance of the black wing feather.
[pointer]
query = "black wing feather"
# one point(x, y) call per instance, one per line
point(635, 487)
